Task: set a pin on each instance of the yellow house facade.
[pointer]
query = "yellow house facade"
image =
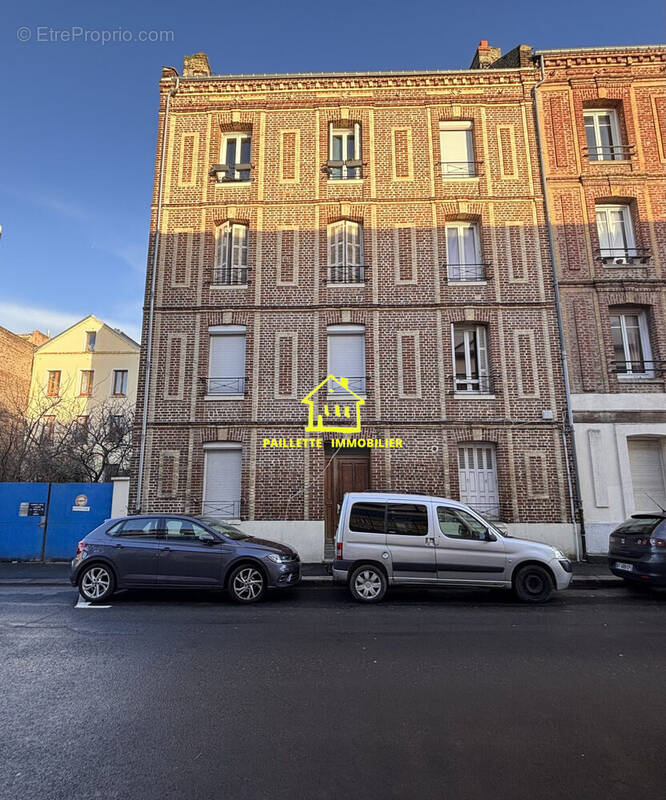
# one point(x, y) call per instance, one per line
point(88, 365)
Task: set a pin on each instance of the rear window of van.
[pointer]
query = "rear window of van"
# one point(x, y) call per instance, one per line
point(367, 517)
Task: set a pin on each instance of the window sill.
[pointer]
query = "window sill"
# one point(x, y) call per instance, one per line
point(224, 397)
point(449, 178)
point(345, 285)
point(472, 396)
point(639, 379)
point(467, 283)
point(344, 181)
point(232, 183)
point(229, 286)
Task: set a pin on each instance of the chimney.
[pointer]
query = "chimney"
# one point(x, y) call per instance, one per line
point(485, 55)
point(196, 64)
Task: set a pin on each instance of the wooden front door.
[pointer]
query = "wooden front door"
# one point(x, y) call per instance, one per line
point(344, 473)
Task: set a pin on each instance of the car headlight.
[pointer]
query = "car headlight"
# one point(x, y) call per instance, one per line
point(279, 558)
point(559, 554)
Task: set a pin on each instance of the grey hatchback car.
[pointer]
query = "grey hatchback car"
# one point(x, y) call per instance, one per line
point(175, 551)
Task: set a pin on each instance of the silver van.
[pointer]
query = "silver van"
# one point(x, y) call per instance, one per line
point(414, 539)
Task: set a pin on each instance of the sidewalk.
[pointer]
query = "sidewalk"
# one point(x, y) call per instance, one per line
point(592, 574)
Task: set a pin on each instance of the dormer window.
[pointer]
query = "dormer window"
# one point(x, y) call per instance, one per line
point(344, 152)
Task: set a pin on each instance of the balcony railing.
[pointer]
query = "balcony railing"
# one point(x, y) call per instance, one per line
point(472, 384)
point(221, 509)
point(638, 369)
point(224, 385)
point(346, 273)
point(230, 276)
point(355, 384)
point(230, 173)
point(467, 272)
point(624, 255)
point(459, 169)
point(610, 152)
point(491, 511)
point(346, 170)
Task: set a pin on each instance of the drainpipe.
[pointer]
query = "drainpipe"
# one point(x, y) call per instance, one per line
point(558, 309)
point(151, 305)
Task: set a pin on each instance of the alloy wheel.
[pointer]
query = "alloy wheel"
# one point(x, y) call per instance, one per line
point(95, 583)
point(368, 584)
point(248, 584)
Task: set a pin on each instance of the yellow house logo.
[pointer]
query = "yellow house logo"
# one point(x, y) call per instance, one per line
point(332, 406)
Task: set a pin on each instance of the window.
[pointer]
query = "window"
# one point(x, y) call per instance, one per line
point(226, 363)
point(235, 156)
point(222, 482)
point(91, 337)
point(345, 252)
point(53, 383)
point(457, 150)
point(86, 382)
point(367, 517)
point(344, 152)
point(477, 474)
point(116, 425)
point(455, 523)
point(138, 528)
point(407, 519)
point(648, 479)
point(81, 430)
point(603, 135)
point(48, 426)
point(346, 356)
point(470, 359)
point(120, 382)
point(231, 248)
point(616, 234)
point(631, 343)
point(463, 252)
point(183, 529)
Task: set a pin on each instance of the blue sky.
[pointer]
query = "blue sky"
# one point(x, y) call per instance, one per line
point(78, 126)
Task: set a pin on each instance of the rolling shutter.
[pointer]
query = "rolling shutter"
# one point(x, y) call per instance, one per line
point(647, 475)
point(222, 489)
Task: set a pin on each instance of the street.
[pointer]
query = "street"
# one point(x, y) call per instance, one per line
point(309, 695)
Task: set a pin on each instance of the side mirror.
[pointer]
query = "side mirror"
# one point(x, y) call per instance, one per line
point(207, 538)
point(489, 536)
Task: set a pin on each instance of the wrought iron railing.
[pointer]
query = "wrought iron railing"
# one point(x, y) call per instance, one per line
point(346, 273)
point(459, 169)
point(355, 384)
point(221, 509)
point(624, 255)
point(490, 511)
point(230, 276)
point(234, 385)
point(641, 368)
point(467, 272)
point(609, 152)
point(229, 173)
point(472, 384)
point(349, 169)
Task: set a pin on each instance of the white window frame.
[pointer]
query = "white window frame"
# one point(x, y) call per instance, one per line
point(345, 252)
point(469, 384)
point(595, 114)
point(644, 334)
point(460, 170)
point(237, 138)
point(347, 330)
point(231, 256)
point(603, 211)
point(346, 173)
point(459, 227)
point(230, 391)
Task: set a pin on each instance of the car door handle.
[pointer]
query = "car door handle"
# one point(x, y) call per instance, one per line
point(119, 546)
point(430, 540)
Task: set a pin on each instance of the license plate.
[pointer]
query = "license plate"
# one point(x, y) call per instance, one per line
point(625, 567)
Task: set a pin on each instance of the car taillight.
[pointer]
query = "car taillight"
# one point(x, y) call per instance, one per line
point(338, 551)
point(655, 542)
point(80, 547)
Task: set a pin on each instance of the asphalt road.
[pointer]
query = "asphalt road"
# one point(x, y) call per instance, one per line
point(451, 696)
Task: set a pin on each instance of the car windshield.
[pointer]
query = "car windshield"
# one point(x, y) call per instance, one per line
point(638, 525)
point(226, 530)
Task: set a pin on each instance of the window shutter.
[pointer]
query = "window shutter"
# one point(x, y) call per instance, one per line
point(227, 356)
point(357, 141)
point(239, 246)
point(222, 491)
point(482, 352)
point(346, 355)
point(330, 141)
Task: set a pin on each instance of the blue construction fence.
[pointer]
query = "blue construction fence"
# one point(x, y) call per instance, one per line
point(44, 521)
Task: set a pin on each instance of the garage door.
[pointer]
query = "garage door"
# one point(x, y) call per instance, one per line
point(647, 474)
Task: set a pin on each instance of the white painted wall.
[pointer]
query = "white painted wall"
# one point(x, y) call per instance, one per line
point(305, 536)
point(120, 497)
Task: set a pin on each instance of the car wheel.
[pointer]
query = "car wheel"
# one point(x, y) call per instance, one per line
point(247, 584)
point(533, 584)
point(368, 584)
point(97, 583)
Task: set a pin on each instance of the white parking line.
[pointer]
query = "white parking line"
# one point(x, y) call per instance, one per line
point(81, 603)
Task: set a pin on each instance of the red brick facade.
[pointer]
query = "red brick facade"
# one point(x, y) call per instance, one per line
point(16, 368)
point(407, 303)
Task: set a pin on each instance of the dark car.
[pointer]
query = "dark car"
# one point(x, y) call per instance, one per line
point(637, 549)
point(175, 551)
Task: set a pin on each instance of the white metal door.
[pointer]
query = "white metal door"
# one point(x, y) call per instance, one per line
point(647, 474)
point(477, 470)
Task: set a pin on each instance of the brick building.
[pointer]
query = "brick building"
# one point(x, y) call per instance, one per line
point(384, 228)
point(16, 368)
point(603, 113)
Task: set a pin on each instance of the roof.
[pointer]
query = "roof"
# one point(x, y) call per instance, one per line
point(599, 49)
point(404, 498)
point(116, 331)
